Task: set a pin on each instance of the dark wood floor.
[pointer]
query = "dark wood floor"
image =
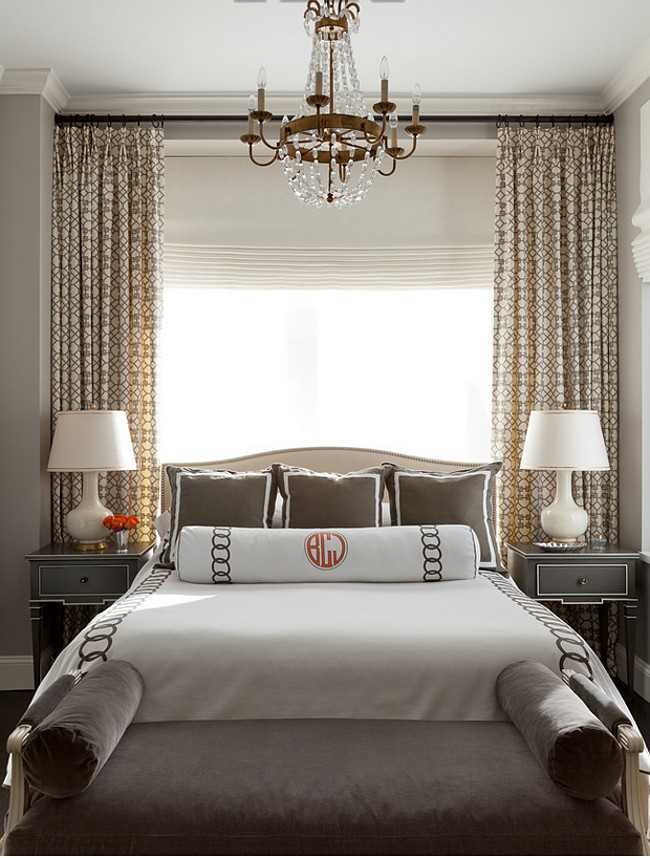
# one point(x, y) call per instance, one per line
point(14, 703)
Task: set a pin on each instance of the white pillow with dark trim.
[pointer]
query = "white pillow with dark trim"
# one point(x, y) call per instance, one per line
point(244, 555)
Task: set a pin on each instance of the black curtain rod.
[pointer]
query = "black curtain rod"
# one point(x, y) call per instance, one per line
point(157, 120)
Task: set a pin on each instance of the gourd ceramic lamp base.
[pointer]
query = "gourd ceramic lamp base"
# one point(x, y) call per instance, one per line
point(564, 441)
point(90, 441)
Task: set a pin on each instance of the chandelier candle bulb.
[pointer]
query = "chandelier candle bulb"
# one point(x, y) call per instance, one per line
point(251, 121)
point(393, 131)
point(261, 86)
point(417, 98)
point(383, 74)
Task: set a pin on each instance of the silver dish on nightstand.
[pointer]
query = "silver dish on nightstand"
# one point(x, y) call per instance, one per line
point(560, 546)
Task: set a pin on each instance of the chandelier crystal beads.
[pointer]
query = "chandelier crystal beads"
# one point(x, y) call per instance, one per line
point(333, 148)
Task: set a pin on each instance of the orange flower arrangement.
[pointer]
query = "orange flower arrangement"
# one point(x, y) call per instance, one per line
point(121, 522)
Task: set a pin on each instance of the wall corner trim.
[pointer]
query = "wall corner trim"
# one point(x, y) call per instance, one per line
point(35, 82)
point(641, 217)
point(634, 73)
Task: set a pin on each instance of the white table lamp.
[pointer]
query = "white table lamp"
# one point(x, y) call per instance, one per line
point(90, 442)
point(564, 441)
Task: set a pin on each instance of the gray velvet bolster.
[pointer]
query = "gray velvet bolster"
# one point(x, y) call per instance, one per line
point(603, 708)
point(64, 754)
point(48, 700)
point(578, 752)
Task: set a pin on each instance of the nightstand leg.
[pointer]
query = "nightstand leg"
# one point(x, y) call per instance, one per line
point(36, 616)
point(629, 615)
point(603, 623)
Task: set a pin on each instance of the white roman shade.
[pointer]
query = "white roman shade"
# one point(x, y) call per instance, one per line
point(311, 267)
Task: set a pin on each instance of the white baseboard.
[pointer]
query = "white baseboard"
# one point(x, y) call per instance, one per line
point(641, 672)
point(16, 672)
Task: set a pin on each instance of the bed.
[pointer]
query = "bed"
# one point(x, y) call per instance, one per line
point(341, 649)
point(265, 624)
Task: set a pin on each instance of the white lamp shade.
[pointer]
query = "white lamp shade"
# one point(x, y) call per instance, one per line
point(564, 440)
point(92, 441)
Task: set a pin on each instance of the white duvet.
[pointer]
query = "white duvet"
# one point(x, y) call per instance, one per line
point(425, 650)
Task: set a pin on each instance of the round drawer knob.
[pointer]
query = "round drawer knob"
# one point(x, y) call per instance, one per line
point(83, 580)
point(583, 581)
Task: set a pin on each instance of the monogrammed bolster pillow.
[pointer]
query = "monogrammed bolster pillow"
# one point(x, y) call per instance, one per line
point(232, 555)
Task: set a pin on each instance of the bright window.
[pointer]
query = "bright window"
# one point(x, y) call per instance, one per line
point(246, 370)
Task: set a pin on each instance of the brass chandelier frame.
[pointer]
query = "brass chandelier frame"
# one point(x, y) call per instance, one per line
point(337, 134)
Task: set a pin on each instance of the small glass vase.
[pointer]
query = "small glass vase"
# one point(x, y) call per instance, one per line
point(122, 540)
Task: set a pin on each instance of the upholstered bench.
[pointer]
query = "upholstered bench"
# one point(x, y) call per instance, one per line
point(321, 787)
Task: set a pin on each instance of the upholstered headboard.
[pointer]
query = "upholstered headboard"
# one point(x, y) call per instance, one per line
point(331, 459)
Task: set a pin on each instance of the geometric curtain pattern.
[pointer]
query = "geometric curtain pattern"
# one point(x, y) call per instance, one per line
point(555, 315)
point(107, 240)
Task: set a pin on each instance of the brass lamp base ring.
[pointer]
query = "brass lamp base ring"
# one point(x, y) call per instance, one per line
point(90, 546)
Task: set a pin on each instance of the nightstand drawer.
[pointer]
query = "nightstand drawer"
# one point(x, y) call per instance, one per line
point(83, 580)
point(606, 579)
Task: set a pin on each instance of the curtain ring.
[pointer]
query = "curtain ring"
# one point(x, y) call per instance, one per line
point(537, 121)
point(521, 120)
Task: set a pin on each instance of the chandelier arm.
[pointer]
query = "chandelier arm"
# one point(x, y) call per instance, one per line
point(266, 142)
point(260, 163)
point(391, 171)
point(376, 139)
point(408, 154)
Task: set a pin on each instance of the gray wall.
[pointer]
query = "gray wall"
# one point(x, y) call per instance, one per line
point(634, 339)
point(26, 123)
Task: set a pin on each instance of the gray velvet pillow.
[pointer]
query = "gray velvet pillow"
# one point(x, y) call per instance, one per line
point(66, 752)
point(577, 751)
point(456, 497)
point(313, 499)
point(218, 498)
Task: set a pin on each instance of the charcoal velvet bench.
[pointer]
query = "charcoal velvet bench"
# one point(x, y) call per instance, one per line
point(545, 784)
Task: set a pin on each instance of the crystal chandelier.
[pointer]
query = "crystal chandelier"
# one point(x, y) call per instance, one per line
point(333, 147)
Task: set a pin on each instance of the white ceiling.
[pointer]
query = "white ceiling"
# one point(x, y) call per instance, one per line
point(105, 52)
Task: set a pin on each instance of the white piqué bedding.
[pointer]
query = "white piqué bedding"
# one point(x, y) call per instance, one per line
point(426, 650)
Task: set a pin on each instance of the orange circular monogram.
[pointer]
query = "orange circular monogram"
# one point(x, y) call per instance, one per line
point(326, 549)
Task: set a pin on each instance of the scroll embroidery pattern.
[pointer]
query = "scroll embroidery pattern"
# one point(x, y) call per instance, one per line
point(569, 642)
point(220, 553)
point(431, 553)
point(98, 638)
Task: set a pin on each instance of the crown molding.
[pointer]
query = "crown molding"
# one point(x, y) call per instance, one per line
point(634, 73)
point(42, 82)
point(232, 103)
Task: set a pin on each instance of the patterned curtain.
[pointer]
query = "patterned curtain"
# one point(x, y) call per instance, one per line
point(107, 237)
point(555, 318)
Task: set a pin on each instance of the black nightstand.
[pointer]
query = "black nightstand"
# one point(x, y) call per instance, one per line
point(585, 577)
point(60, 575)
